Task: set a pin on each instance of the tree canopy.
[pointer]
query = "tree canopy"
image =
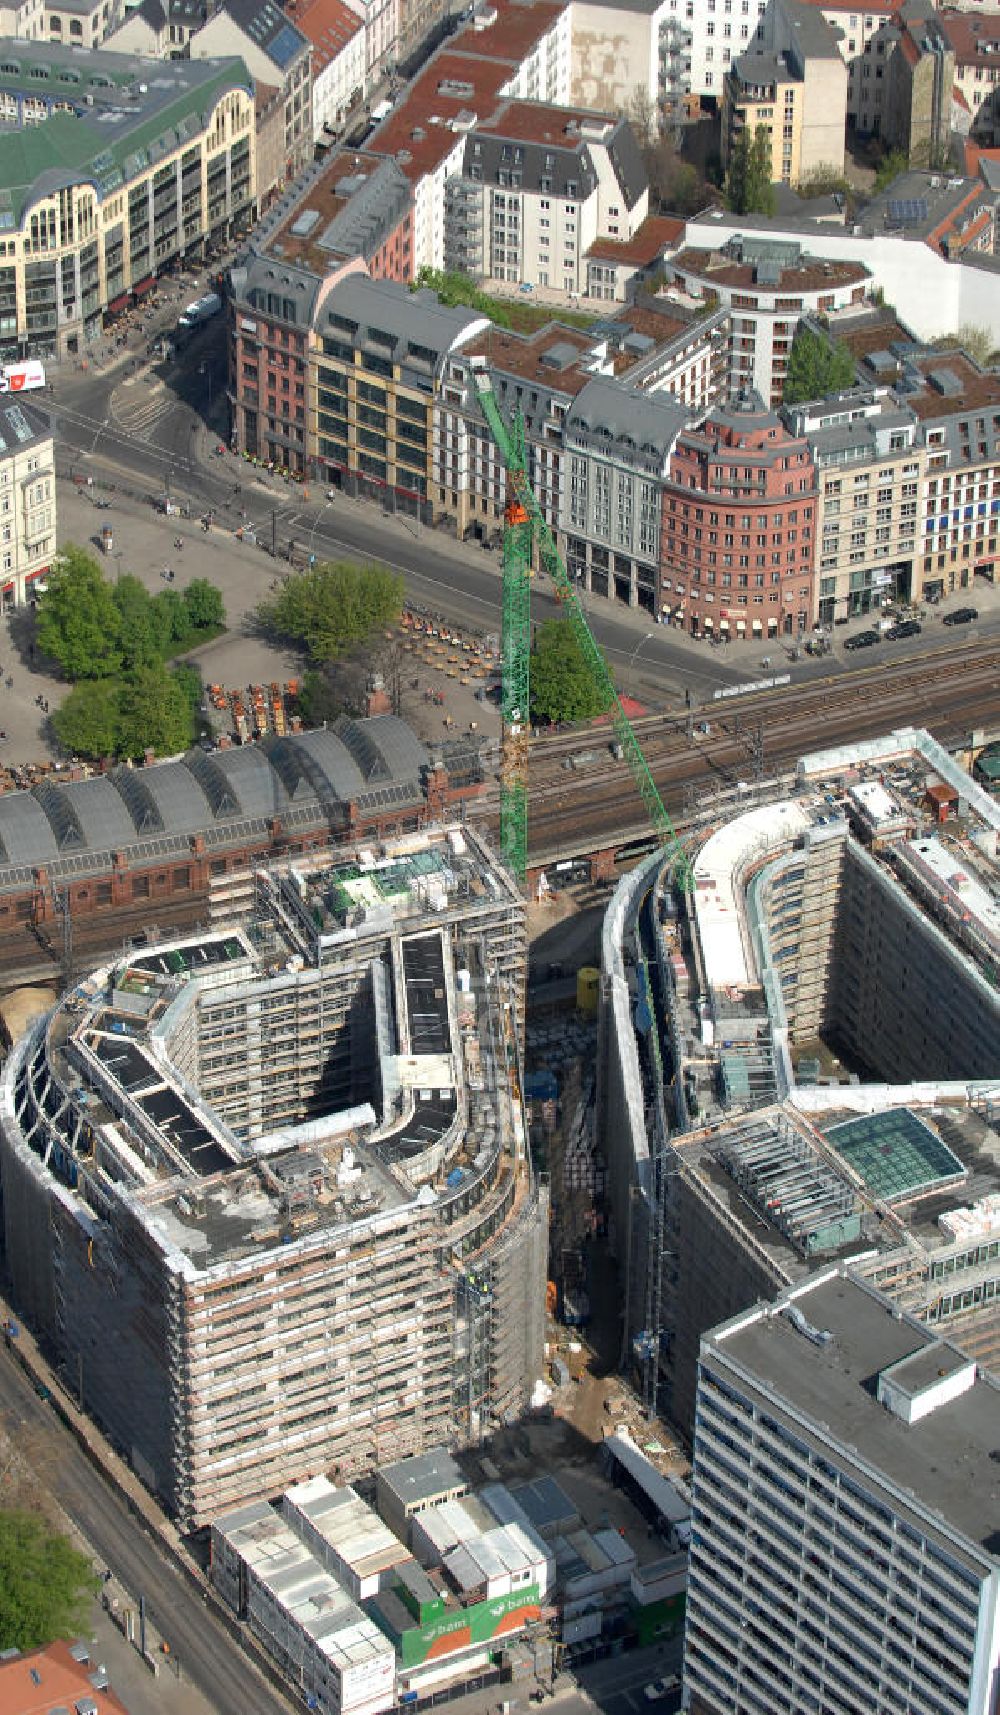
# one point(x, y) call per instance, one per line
point(113, 639)
point(455, 288)
point(152, 710)
point(816, 366)
point(45, 1583)
point(890, 167)
point(78, 623)
point(562, 686)
point(748, 179)
point(331, 608)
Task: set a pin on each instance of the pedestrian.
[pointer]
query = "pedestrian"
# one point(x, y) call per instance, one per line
point(10, 683)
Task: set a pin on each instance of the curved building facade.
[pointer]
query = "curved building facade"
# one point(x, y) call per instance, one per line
point(799, 1062)
point(267, 1197)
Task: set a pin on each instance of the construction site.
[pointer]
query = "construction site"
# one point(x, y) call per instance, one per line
point(797, 1057)
point(267, 1191)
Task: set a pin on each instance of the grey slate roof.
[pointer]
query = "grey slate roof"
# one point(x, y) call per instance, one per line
point(605, 411)
point(269, 27)
point(374, 211)
point(21, 425)
point(378, 310)
point(371, 763)
point(292, 290)
point(561, 163)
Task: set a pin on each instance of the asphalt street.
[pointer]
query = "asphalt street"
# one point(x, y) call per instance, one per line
point(206, 1653)
point(155, 427)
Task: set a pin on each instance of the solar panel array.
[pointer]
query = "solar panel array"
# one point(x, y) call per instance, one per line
point(908, 211)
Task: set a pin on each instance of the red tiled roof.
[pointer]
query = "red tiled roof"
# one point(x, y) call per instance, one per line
point(482, 60)
point(909, 49)
point(519, 25)
point(534, 122)
point(420, 125)
point(959, 99)
point(949, 227)
point(329, 25)
point(965, 30)
point(645, 245)
point(45, 1679)
point(974, 153)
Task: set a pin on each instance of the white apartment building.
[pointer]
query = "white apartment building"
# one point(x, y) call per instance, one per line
point(337, 36)
point(518, 52)
point(720, 30)
point(381, 26)
point(869, 466)
point(767, 287)
point(538, 185)
point(27, 500)
point(23, 18)
point(845, 1545)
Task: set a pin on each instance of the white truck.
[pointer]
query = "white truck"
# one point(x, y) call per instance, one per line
point(21, 377)
point(202, 310)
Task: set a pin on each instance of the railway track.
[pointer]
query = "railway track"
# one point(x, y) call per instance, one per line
point(597, 805)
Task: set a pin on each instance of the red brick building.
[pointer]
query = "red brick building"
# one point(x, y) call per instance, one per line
point(738, 540)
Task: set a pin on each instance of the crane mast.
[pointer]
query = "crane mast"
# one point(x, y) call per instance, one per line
point(525, 523)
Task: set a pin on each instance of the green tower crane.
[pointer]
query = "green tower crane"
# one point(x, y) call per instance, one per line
point(524, 522)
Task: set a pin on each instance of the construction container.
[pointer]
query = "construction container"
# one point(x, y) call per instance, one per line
point(588, 986)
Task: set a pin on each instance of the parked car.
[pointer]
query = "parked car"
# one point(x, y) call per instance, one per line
point(962, 616)
point(861, 640)
point(905, 628)
point(660, 1688)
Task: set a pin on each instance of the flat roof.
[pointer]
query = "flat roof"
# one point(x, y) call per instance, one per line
point(946, 1462)
point(896, 1153)
point(353, 1530)
point(422, 1477)
point(649, 241)
point(809, 274)
point(718, 893)
point(959, 881)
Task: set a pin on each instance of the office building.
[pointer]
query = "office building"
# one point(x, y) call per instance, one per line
point(824, 1079)
point(739, 520)
point(845, 1544)
point(313, 1104)
point(94, 213)
point(869, 463)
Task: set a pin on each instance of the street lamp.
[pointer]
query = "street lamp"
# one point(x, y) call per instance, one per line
point(643, 640)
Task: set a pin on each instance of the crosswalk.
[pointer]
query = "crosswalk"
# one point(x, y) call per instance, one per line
point(137, 405)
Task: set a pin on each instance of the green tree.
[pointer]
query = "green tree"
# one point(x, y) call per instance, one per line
point(331, 608)
point(748, 181)
point(204, 604)
point(45, 1583)
point(890, 167)
point(562, 687)
point(977, 341)
point(77, 622)
point(816, 367)
point(139, 639)
point(454, 288)
point(171, 618)
point(319, 699)
point(154, 713)
point(86, 724)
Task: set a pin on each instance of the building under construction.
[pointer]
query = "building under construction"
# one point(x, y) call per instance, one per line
point(266, 1191)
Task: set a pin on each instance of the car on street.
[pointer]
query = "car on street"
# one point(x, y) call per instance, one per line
point(861, 640)
point(905, 628)
point(962, 616)
point(658, 1688)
